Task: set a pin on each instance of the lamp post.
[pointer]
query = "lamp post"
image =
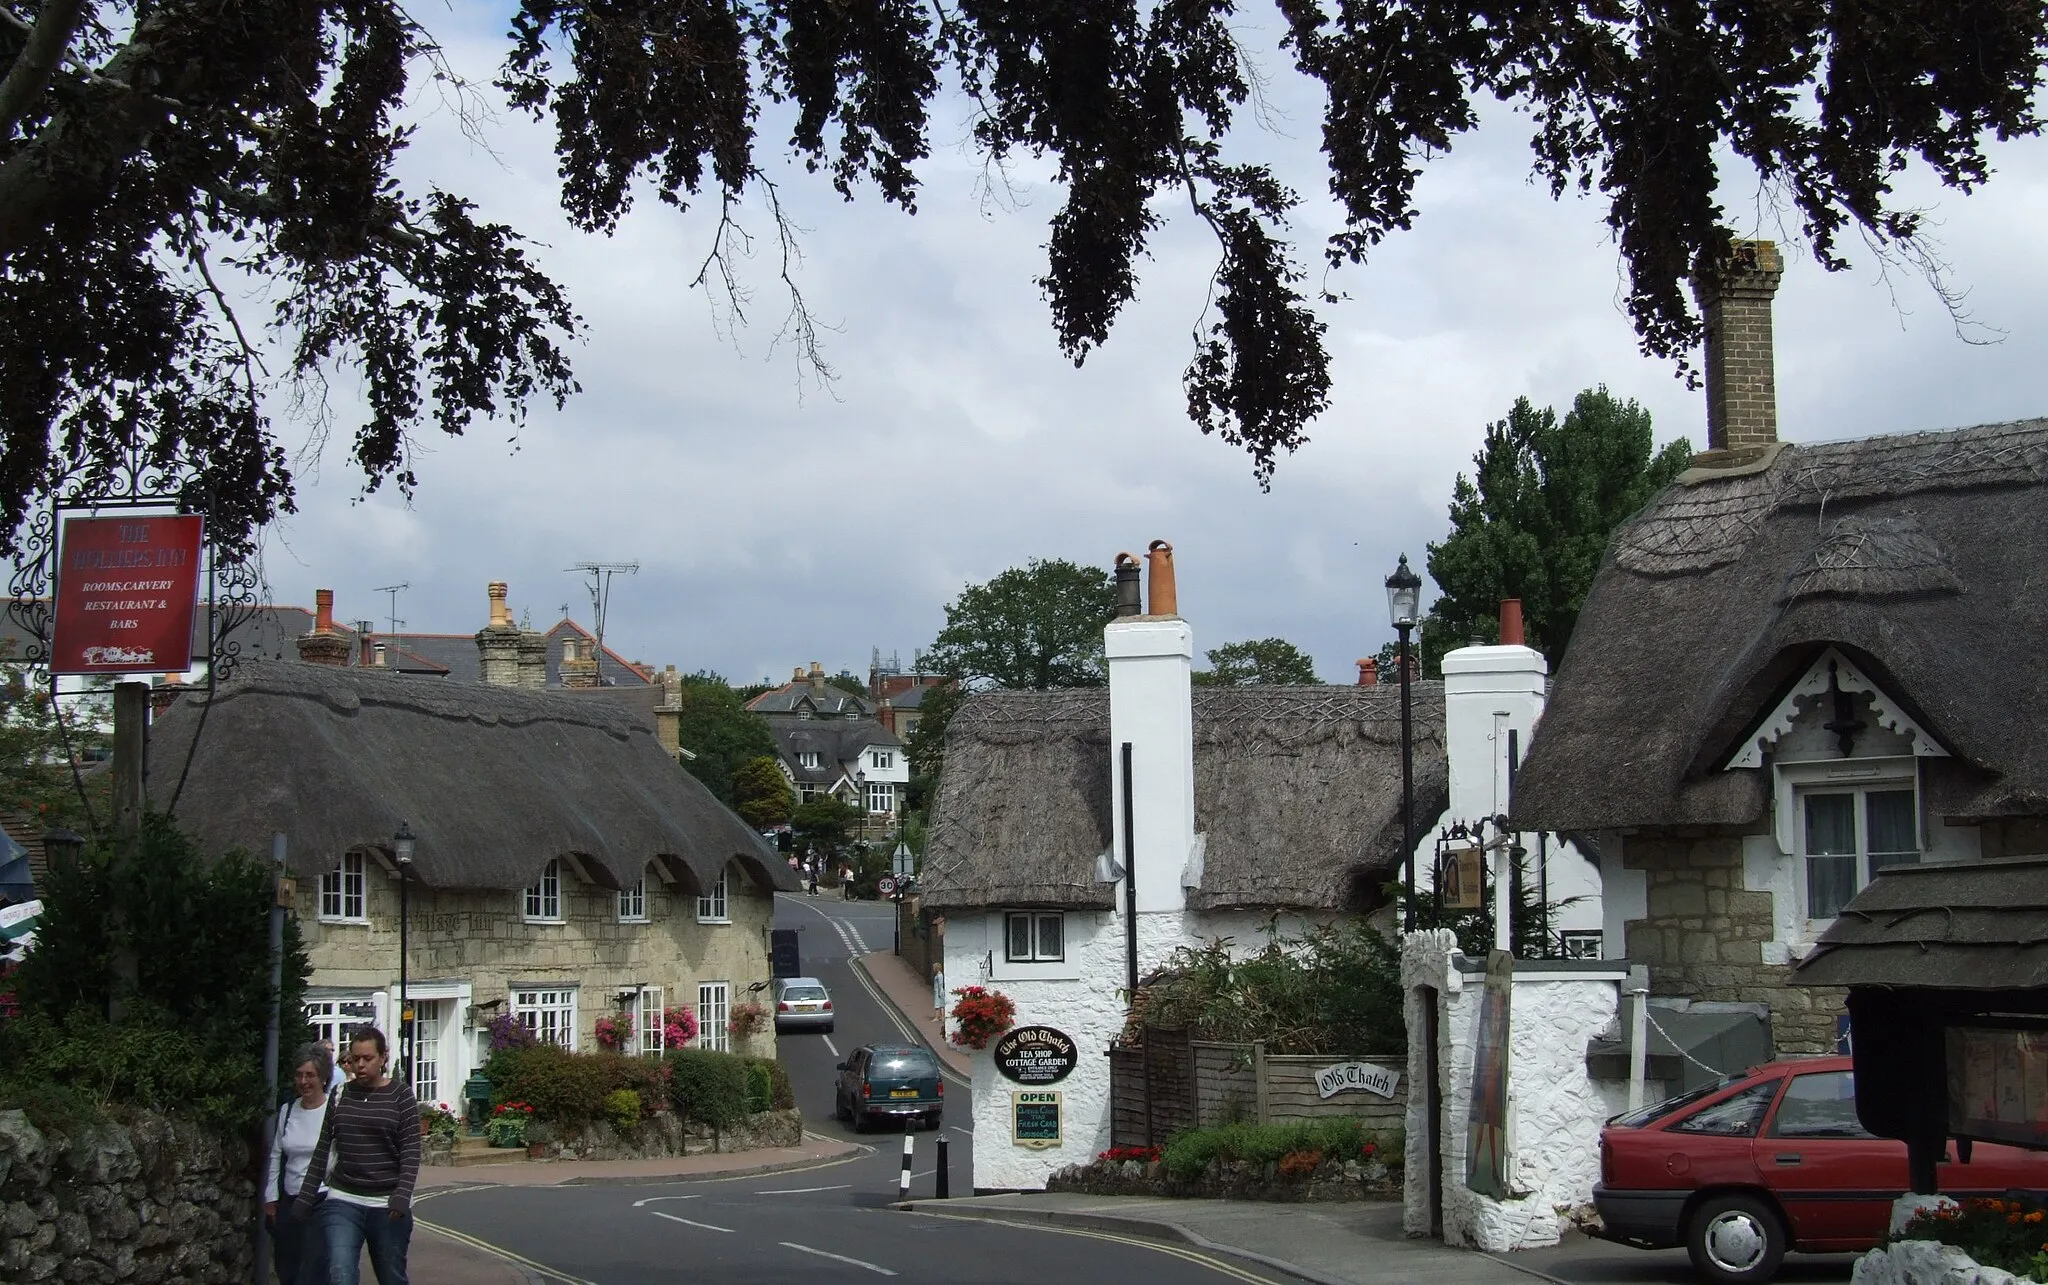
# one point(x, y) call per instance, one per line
point(1404, 596)
point(860, 800)
point(401, 851)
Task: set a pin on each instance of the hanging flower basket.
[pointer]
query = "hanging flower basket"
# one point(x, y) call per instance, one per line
point(747, 1019)
point(615, 1032)
point(982, 1015)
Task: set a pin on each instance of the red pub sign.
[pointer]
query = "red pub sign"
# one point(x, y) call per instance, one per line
point(126, 589)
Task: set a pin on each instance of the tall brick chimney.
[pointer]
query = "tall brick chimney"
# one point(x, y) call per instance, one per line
point(579, 663)
point(325, 645)
point(533, 658)
point(1742, 383)
point(497, 643)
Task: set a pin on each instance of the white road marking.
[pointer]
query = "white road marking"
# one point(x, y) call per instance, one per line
point(803, 1191)
point(838, 1258)
point(686, 1222)
point(829, 1046)
point(957, 1129)
point(651, 1199)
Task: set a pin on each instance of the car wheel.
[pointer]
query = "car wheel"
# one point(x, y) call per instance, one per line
point(860, 1120)
point(839, 1108)
point(1735, 1240)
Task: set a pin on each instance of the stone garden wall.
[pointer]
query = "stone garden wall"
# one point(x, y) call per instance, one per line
point(665, 1134)
point(153, 1200)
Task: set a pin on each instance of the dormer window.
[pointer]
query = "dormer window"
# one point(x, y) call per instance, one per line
point(808, 759)
point(1848, 835)
point(883, 759)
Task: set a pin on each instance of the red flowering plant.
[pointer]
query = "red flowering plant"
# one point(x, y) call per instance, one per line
point(1117, 1155)
point(678, 1026)
point(983, 1014)
point(507, 1126)
point(615, 1032)
point(2011, 1234)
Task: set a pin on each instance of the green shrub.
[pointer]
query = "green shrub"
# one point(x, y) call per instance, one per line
point(781, 1093)
point(567, 1088)
point(622, 1108)
point(757, 1088)
point(708, 1086)
point(1191, 1151)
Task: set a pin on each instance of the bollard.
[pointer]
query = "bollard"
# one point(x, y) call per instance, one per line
point(903, 1183)
point(942, 1189)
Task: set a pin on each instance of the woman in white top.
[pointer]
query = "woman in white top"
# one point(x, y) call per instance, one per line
point(299, 1256)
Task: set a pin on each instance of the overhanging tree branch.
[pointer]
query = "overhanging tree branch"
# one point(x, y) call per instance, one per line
point(39, 59)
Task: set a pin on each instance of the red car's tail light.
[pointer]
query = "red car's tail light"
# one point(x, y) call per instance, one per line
point(867, 1090)
point(826, 1006)
point(782, 1006)
point(1606, 1161)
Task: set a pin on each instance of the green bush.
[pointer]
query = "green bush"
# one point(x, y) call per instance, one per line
point(758, 1092)
point(571, 1088)
point(622, 1108)
point(708, 1086)
point(1191, 1151)
point(1334, 989)
point(191, 1036)
point(781, 1093)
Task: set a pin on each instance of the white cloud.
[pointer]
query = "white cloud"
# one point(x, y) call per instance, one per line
point(776, 523)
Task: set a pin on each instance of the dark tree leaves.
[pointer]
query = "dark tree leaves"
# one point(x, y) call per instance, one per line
point(1032, 628)
point(1262, 662)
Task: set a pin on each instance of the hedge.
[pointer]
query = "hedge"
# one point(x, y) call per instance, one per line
point(569, 1088)
point(1190, 1151)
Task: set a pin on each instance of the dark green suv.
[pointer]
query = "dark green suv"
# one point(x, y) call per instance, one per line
point(895, 1081)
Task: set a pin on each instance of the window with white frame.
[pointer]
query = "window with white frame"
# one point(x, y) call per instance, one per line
point(342, 891)
point(881, 796)
point(711, 907)
point(336, 1020)
point(808, 759)
point(1034, 936)
point(544, 897)
point(633, 902)
point(648, 1023)
point(548, 1014)
point(426, 1050)
point(1848, 835)
point(714, 1015)
point(882, 758)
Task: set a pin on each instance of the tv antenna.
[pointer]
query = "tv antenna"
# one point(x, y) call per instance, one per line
point(393, 591)
point(600, 576)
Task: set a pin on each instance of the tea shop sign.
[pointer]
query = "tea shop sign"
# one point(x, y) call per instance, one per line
point(1036, 1055)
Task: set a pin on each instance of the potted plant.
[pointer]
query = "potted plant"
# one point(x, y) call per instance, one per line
point(615, 1032)
point(438, 1123)
point(509, 1124)
point(678, 1026)
point(747, 1019)
point(982, 1015)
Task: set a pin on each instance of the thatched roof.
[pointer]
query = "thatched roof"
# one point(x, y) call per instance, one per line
point(1918, 556)
point(494, 781)
point(1973, 925)
point(1297, 788)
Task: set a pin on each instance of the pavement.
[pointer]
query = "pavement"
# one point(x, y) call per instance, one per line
point(911, 996)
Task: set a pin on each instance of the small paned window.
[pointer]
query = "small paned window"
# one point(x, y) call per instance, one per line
point(1034, 937)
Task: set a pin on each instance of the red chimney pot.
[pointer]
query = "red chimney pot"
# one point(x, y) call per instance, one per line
point(1511, 633)
point(1368, 673)
point(323, 611)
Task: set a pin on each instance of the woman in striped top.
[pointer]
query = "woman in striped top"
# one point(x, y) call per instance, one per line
point(369, 1155)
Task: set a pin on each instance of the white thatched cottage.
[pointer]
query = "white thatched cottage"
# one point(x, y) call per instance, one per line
point(1246, 807)
point(565, 866)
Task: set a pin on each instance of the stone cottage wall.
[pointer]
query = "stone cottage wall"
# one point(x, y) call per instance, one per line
point(1705, 934)
point(153, 1200)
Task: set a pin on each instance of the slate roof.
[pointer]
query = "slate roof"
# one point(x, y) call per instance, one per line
point(1918, 555)
point(1297, 788)
point(495, 781)
point(831, 702)
point(836, 741)
point(1975, 925)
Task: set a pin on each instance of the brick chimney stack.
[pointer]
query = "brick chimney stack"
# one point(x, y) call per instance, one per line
point(579, 663)
point(325, 645)
point(1742, 383)
point(497, 643)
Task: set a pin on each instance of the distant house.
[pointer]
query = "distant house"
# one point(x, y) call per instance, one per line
point(899, 694)
point(566, 867)
point(1801, 665)
point(811, 694)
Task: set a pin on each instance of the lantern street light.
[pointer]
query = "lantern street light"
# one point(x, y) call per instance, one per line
point(401, 850)
point(1404, 599)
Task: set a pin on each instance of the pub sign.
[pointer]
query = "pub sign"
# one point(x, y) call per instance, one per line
point(126, 589)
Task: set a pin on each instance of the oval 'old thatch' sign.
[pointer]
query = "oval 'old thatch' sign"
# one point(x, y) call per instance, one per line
point(1036, 1055)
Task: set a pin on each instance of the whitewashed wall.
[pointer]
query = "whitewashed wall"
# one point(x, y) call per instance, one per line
point(1089, 1007)
point(1555, 1110)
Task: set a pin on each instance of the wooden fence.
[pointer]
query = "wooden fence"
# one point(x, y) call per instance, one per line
point(1171, 1082)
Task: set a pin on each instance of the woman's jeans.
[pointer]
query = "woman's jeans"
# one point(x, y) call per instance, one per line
point(298, 1246)
point(350, 1227)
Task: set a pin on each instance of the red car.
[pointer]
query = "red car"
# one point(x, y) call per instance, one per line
point(1754, 1165)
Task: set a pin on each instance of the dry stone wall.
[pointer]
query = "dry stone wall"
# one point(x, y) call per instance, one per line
point(153, 1200)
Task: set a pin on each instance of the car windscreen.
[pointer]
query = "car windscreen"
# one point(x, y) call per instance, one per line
point(904, 1066)
point(1657, 1111)
point(803, 992)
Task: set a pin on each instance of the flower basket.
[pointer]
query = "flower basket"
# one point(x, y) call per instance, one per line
point(678, 1026)
point(438, 1120)
point(982, 1015)
point(615, 1032)
point(508, 1125)
point(747, 1019)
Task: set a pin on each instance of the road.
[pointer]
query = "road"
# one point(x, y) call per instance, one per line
point(827, 1224)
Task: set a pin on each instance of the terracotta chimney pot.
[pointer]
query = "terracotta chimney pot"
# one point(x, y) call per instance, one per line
point(1162, 599)
point(501, 611)
point(1368, 673)
point(1511, 634)
point(323, 643)
point(323, 611)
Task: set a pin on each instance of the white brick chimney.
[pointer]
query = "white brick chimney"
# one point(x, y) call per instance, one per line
point(1151, 707)
point(1489, 691)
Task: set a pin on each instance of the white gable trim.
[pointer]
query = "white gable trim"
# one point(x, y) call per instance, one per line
point(1812, 686)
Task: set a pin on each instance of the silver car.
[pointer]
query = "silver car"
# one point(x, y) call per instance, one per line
point(802, 1004)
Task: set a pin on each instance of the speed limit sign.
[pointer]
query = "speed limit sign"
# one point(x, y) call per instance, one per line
point(887, 885)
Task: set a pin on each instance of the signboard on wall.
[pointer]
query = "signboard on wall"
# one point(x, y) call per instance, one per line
point(126, 589)
point(1998, 1085)
point(1486, 1129)
point(1035, 1118)
point(1035, 1055)
point(1332, 1080)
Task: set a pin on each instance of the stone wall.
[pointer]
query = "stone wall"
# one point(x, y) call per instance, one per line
point(1706, 933)
point(666, 1134)
point(153, 1200)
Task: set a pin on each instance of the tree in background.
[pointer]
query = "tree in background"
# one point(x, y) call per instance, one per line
point(761, 793)
point(721, 731)
point(846, 682)
point(1031, 628)
point(927, 746)
point(1264, 662)
point(1533, 520)
point(821, 825)
point(36, 753)
point(141, 145)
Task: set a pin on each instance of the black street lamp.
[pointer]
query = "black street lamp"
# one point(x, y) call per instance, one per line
point(401, 849)
point(1404, 599)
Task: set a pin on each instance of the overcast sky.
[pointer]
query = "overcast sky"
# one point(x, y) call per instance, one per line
point(776, 523)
